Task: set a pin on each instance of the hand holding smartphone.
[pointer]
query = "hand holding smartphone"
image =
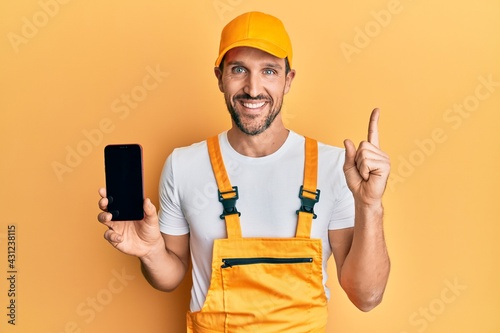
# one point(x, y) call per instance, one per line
point(124, 181)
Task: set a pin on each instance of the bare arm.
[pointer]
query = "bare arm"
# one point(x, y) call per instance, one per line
point(164, 259)
point(362, 261)
point(166, 267)
point(361, 255)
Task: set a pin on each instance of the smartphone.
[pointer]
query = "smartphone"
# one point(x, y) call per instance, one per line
point(124, 181)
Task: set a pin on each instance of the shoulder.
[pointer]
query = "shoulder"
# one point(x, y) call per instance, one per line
point(331, 153)
point(188, 152)
point(330, 162)
point(325, 150)
point(186, 160)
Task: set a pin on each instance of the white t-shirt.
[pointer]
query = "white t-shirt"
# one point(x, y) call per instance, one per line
point(268, 199)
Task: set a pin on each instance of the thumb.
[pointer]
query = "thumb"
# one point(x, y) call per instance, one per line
point(350, 154)
point(149, 210)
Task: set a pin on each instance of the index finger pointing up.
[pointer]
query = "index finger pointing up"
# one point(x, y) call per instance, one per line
point(373, 128)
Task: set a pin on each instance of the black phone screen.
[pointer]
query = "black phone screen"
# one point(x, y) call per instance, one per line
point(124, 181)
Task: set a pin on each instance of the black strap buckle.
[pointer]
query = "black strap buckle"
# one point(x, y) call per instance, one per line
point(229, 205)
point(307, 204)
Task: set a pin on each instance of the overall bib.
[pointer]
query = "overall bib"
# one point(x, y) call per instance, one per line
point(264, 285)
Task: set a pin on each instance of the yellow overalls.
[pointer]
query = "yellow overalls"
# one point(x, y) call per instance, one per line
point(264, 285)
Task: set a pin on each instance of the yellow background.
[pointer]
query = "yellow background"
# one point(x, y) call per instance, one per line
point(66, 68)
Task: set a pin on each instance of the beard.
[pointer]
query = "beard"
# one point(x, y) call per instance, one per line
point(253, 126)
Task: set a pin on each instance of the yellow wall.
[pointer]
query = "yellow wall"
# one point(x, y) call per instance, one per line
point(76, 75)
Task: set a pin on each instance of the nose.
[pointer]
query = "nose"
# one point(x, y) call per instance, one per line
point(252, 85)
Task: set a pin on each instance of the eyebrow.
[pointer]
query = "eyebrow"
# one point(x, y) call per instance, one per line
point(265, 65)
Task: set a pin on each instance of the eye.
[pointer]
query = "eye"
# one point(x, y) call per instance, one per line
point(238, 70)
point(269, 71)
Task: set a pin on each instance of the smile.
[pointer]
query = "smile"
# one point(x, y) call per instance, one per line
point(253, 105)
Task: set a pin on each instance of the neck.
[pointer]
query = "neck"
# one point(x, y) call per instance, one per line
point(259, 145)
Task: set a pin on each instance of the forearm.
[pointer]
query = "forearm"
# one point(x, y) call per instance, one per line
point(163, 269)
point(365, 271)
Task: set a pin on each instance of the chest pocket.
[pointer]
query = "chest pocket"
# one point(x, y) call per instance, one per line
point(264, 284)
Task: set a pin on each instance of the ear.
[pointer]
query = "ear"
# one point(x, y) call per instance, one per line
point(288, 80)
point(218, 75)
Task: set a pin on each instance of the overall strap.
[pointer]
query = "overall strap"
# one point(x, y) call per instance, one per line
point(227, 194)
point(308, 194)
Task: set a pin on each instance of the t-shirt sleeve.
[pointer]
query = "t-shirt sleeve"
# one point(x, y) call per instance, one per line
point(343, 213)
point(171, 217)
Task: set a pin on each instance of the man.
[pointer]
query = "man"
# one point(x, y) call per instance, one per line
point(260, 266)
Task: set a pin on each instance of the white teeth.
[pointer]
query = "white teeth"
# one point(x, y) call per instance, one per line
point(253, 105)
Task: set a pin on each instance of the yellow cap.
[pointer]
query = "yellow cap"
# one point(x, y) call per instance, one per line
point(257, 30)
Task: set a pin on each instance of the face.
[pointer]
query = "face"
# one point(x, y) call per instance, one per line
point(254, 83)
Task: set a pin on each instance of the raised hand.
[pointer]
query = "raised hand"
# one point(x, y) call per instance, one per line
point(367, 168)
point(136, 238)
